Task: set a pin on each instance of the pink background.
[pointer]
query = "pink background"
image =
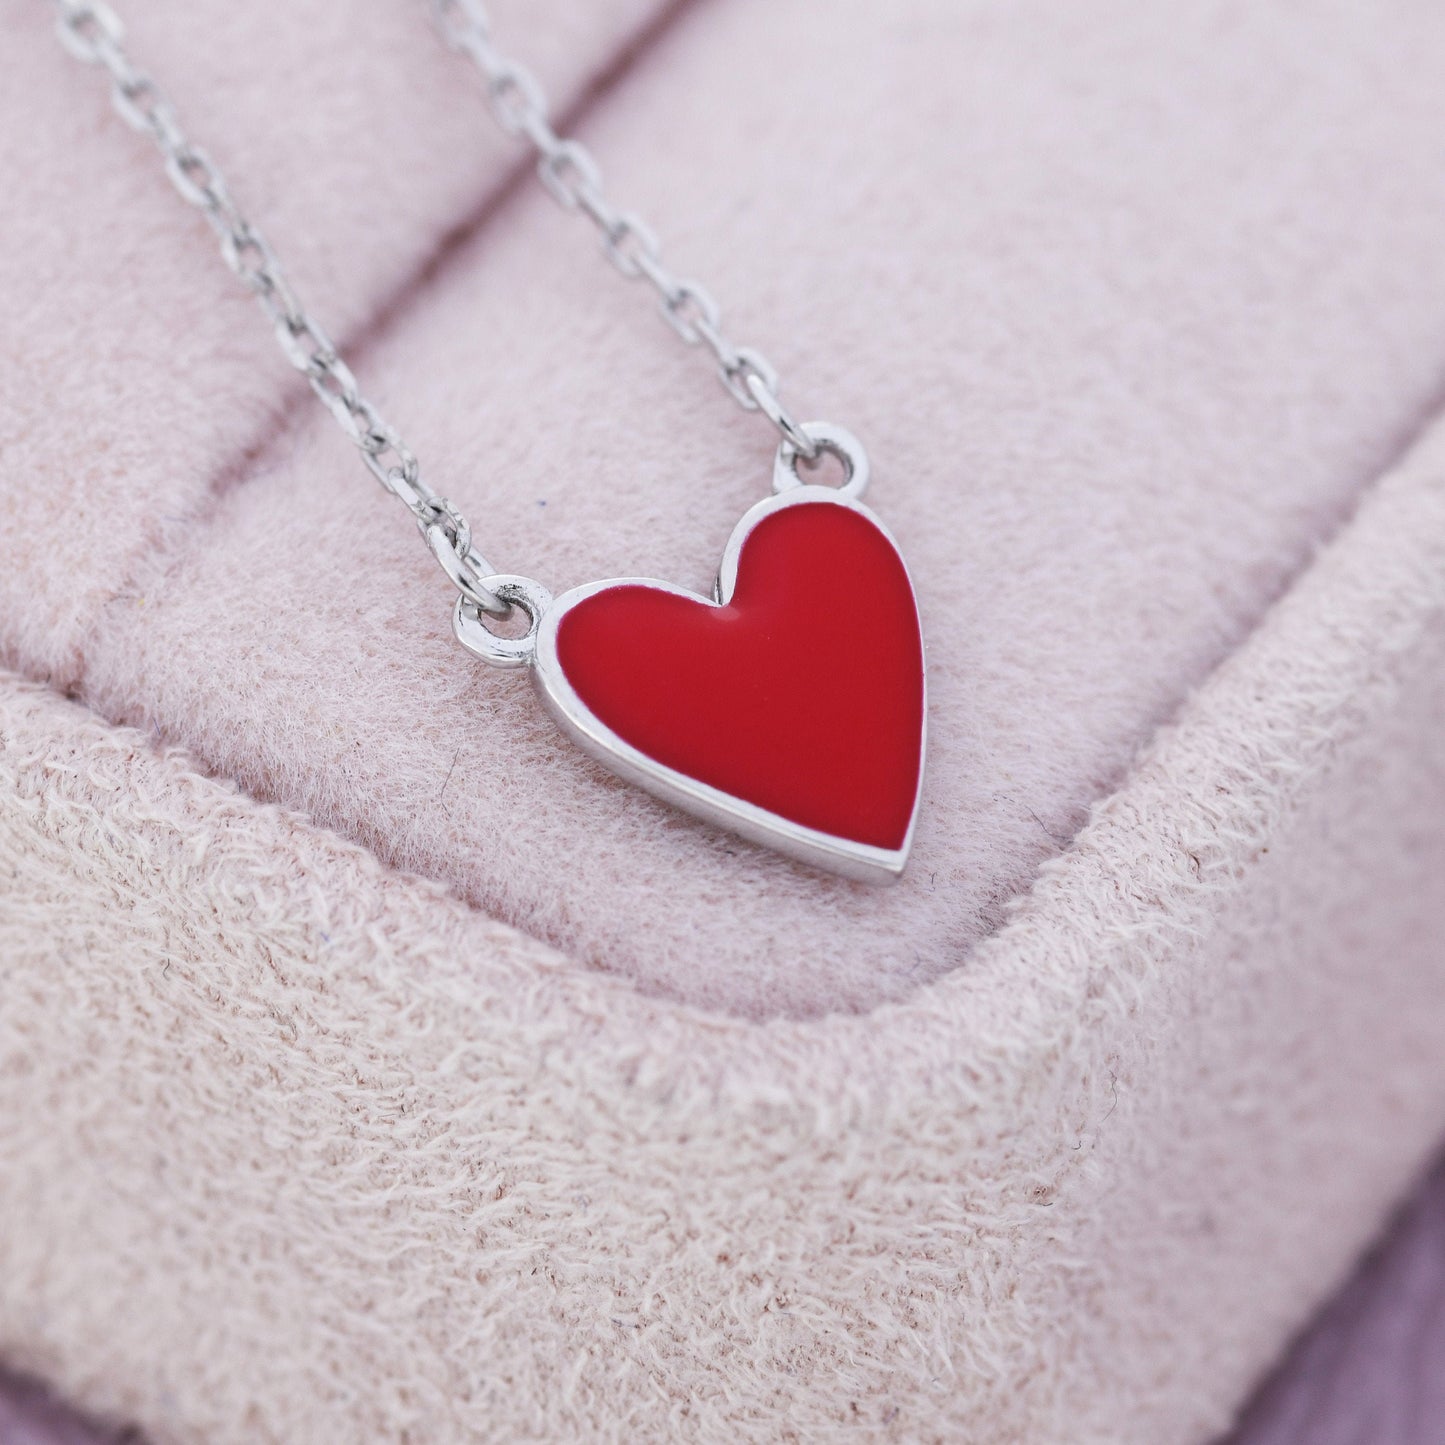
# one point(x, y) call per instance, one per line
point(1130, 306)
point(1369, 1371)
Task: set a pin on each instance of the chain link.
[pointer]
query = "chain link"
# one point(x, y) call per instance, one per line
point(91, 31)
point(572, 178)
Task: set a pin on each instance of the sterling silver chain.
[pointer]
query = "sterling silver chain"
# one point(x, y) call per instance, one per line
point(91, 31)
point(571, 175)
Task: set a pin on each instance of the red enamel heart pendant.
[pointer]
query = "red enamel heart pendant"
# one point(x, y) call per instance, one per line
point(789, 707)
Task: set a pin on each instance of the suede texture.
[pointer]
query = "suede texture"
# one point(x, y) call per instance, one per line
point(297, 1149)
point(140, 380)
point(372, 1066)
point(1128, 303)
point(1369, 1368)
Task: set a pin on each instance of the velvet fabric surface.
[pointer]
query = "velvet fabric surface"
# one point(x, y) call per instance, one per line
point(1370, 1368)
point(294, 1147)
point(1367, 1369)
point(1128, 304)
point(357, 1030)
point(138, 382)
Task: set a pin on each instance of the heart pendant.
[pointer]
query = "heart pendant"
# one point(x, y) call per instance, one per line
point(789, 707)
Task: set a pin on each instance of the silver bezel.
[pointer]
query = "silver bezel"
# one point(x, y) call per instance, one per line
point(840, 855)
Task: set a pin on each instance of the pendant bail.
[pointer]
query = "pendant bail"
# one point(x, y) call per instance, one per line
point(470, 624)
point(837, 441)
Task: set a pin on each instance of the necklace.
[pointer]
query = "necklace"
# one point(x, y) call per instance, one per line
point(789, 706)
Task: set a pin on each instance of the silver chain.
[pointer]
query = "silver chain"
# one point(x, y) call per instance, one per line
point(91, 31)
point(572, 178)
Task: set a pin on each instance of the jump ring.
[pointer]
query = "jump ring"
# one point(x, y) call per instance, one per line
point(836, 441)
point(473, 633)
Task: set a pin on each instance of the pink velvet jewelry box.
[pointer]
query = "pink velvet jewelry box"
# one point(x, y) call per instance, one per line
point(375, 1068)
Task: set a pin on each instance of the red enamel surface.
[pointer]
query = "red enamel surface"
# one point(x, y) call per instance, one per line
point(803, 695)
